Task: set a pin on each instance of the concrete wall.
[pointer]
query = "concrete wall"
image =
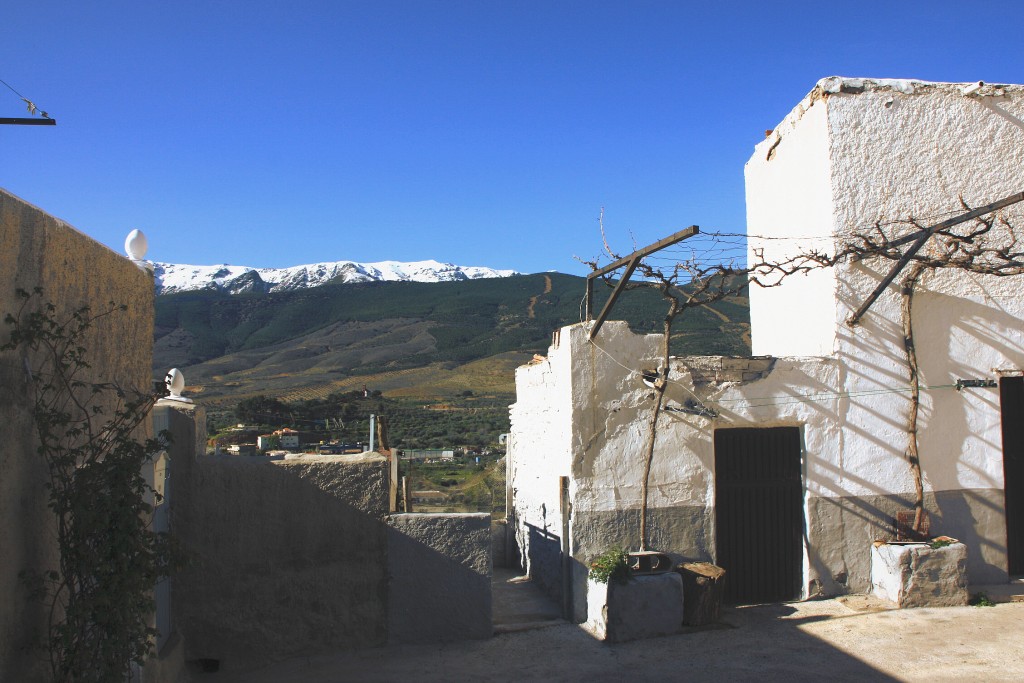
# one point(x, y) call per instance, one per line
point(299, 556)
point(440, 569)
point(37, 249)
point(289, 557)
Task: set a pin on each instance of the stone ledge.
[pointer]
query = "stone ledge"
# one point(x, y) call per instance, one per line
point(721, 369)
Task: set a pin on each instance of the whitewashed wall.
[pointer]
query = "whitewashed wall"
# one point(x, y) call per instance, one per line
point(789, 196)
point(538, 454)
point(851, 154)
point(899, 150)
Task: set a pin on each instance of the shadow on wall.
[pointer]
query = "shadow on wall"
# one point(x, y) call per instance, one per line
point(956, 338)
point(286, 559)
point(544, 553)
point(440, 577)
point(300, 557)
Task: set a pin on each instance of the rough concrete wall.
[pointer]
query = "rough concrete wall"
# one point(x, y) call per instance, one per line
point(612, 423)
point(854, 481)
point(538, 454)
point(289, 557)
point(900, 149)
point(841, 527)
point(38, 250)
point(440, 568)
point(939, 146)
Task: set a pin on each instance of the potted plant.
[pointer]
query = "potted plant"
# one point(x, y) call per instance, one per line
point(625, 605)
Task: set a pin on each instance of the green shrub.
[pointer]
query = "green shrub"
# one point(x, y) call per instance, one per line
point(613, 564)
point(982, 600)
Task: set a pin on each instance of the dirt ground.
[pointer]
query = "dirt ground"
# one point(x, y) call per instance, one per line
point(846, 639)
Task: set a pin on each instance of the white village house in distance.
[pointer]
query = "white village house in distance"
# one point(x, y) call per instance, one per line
point(800, 463)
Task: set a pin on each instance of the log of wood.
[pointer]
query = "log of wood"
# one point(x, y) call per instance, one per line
point(703, 588)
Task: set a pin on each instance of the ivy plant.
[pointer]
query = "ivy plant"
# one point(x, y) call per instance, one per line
point(100, 596)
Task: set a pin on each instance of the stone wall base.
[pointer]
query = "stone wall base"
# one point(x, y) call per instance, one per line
point(918, 575)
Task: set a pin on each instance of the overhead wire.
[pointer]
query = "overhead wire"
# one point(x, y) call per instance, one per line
point(31, 105)
point(11, 88)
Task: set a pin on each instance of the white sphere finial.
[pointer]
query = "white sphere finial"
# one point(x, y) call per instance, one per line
point(175, 382)
point(135, 245)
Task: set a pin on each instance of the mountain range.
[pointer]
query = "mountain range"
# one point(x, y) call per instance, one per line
point(414, 339)
point(174, 277)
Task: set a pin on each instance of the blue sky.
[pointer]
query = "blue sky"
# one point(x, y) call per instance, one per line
point(480, 133)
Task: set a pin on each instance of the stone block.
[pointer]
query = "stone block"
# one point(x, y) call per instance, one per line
point(646, 607)
point(917, 575)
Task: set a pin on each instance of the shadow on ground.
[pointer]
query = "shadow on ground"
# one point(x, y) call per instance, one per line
point(852, 639)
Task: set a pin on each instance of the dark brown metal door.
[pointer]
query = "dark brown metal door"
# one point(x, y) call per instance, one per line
point(1011, 400)
point(759, 513)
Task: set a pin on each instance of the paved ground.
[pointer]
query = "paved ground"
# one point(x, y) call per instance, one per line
point(851, 639)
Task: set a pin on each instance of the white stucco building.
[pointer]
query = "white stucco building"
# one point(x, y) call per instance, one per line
point(803, 463)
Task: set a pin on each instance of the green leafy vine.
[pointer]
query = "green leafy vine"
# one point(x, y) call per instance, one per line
point(100, 596)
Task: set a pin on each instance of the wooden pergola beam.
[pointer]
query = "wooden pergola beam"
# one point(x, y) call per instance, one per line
point(631, 261)
point(919, 238)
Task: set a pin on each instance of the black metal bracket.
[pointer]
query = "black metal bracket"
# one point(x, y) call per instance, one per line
point(27, 122)
point(692, 407)
point(975, 384)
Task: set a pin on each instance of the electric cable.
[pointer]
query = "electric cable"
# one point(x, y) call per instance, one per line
point(31, 105)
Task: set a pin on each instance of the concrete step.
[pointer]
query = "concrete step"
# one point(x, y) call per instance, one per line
point(517, 604)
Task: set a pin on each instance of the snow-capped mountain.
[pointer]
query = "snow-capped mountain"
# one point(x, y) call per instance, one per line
point(175, 277)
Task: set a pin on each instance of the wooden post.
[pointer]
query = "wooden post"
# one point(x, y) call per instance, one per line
point(564, 508)
point(703, 588)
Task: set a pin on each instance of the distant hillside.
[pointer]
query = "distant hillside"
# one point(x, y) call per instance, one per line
point(403, 338)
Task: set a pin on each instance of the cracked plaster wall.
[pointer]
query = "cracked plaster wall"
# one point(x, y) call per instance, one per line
point(896, 150)
point(853, 152)
point(539, 452)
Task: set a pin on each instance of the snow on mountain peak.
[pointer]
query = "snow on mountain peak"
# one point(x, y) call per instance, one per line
point(175, 277)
